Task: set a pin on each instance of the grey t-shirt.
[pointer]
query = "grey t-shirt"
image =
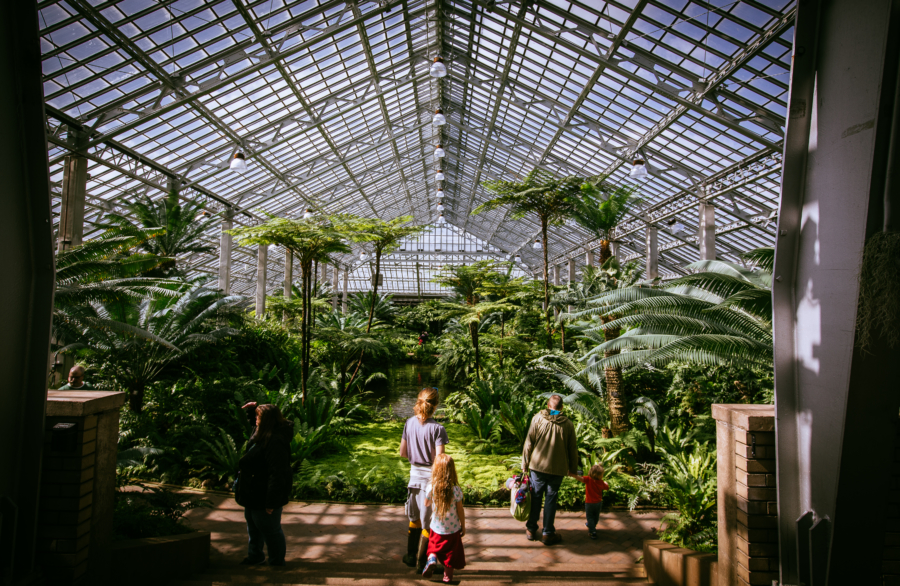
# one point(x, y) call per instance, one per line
point(422, 440)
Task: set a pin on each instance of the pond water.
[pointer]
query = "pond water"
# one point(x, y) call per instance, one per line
point(403, 387)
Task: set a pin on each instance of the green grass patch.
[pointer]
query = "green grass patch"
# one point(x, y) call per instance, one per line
point(372, 469)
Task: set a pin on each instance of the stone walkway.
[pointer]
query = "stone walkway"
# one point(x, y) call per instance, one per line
point(329, 532)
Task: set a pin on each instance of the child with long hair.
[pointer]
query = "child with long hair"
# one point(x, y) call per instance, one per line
point(593, 496)
point(448, 519)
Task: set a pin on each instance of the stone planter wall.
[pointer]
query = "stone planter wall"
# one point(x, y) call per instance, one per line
point(670, 565)
point(155, 560)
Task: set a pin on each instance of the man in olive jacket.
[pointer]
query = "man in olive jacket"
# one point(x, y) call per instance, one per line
point(550, 453)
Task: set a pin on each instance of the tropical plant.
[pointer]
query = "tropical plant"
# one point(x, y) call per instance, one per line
point(586, 388)
point(384, 236)
point(541, 194)
point(719, 316)
point(309, 240)
point(183, 224)
point(516, 418)
point(104, 271)
point(171, 329)
point(485, 426)
point(500, 285)
point(690, 480)
point(600, 208)
point(471, 316)
point(346, 339)
point(224, 456)
point(380, 305)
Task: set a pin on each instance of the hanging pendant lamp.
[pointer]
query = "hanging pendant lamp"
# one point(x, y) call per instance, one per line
point(239, 162)
point(438, 69)
point(638, 169)
point(439, 119)
point(537, 245)
point(441, 219)
point(440, 206)
point(439, 176)
point(307, 214)
point(439, 152)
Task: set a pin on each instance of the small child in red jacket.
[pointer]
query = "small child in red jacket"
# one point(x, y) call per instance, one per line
point(593, 497)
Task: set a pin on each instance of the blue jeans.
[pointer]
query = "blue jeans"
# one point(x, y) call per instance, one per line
point(264, 528)
point(592, 510)
point(543, 483)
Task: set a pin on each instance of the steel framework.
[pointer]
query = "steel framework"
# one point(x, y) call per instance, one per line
point(331, 102)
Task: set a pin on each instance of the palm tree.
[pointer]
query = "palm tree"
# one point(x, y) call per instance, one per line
point(101, 271)
point(600, 209)
point(171, 328)
point(468, 281)
point(380, 305)
point(184, 225)
point(385, 236)
point(345, 339)
point(550, 199)
point(501, 285)
point(309, 240)
point(611, 277)
point(721, 315)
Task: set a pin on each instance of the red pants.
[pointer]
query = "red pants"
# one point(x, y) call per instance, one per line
point(448, 549)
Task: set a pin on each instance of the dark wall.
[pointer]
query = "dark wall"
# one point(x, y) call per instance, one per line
point(26, 290)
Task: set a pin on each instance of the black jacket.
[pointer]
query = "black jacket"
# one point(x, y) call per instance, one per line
point(266, 475)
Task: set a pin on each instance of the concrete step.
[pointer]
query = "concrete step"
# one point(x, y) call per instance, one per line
point(298, 573)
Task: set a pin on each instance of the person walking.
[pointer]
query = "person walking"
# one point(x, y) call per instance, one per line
point(422, 441)
point(593, 496)
point(550, 454)
point(448, 522)
point(264, 483)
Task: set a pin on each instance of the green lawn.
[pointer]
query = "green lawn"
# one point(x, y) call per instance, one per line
point(379, 445)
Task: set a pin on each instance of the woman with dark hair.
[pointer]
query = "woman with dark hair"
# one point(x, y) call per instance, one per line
point(264, 484)
point(423, 439)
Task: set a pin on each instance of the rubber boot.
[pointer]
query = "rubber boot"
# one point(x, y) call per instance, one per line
point(412, 545)
point(422, 556)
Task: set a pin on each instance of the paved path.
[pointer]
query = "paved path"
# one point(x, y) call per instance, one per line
point(329, 532)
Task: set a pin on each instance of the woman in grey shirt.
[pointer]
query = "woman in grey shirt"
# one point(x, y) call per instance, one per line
point(423, 439)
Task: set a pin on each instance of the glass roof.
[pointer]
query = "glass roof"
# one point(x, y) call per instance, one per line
point(332, 103)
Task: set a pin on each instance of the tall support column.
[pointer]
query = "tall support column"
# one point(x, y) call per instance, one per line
point(262, 263)
point(173, 185)
point(335, 283)
point(571, 277)
point(589, 258)
point(707, 236)
point(26, 298)
point(652, 252)
point(288, 279)
point(836, 405)
point(225, 252)
point(74, 190)
point(556, 275)
point(345, 303)
point(614, 249)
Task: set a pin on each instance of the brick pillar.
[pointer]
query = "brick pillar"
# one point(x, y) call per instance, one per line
point(748, 511)
point(78, 483)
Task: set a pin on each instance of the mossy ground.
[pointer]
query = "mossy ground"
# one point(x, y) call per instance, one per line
point(378, 444)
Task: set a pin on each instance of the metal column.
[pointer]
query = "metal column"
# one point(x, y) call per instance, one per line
point(571, 270)
point(614, 249)
point(652, 252)
point(262, 262)
point(556, 275)
point(706, 238)
point(836, 406)
point(288, 280)
point(335, 283)
point(225, 252)
point(589, 258)
point(345, 302)
point(74, 191)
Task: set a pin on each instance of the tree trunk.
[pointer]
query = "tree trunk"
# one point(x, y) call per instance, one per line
point(615, 390)
point(374, 289)
point(136, 397)
point(605, 252)
point(562, 335)
point(502, 335)
point(546, 283)
point(473, 331)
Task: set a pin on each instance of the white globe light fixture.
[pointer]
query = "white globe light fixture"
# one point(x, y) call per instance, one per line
point(439, 176)
point(239, 162)
point(307, 214)
point(638, 169)
point(438, 69)
point(439, 119)
point(536, 245)
point(518, 258)
point(363, 255)
point(441, 219)
point(440, 193)
point(440, 206)
point(439, 152)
